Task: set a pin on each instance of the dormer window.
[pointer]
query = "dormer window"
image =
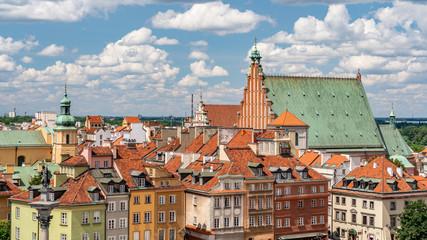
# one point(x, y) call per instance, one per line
point(96, 197)
point(141, 182)
point(111, 188)
point(356, 184)
point(122, 188)
point(31, 194)
point(227, 186)
point(259, 172)
point(345, 183)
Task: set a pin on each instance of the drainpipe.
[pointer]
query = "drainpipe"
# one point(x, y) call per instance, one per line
point(16, 156)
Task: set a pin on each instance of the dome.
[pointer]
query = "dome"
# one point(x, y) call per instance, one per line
point(65, 101)
point(65, 121)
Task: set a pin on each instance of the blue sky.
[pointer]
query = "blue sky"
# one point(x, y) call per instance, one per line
point(147, 57)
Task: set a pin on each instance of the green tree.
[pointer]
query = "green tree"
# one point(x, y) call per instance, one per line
point(413, 222)
point(36, 180)
point(4, 230)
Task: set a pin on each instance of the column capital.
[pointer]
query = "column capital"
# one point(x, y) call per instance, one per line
point(44, 221)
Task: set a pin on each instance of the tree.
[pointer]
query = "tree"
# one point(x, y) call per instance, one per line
point(4, 230)
point(413, 222)
point(36, 180)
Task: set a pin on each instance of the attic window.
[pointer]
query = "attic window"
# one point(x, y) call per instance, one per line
point(111, 188)
point(345, 183)
point(361, 134)
point(122, 188)
point(346, 134)
point(317, 113)
point(346, 113)
point(96, 197)
point(331, 134)
point(315, 133)
point(333, 94)
point(259, 172)
point(302, 113)
point(289, 94)
point(108, 175)
point(361, 114)
point(361, 94)
point(141, 182)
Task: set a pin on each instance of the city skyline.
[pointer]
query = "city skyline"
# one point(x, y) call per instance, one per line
point(133, 58)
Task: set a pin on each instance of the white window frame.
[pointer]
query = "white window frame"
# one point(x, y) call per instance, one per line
point(96, 216)
point(123, 222)
point(112, 224)
point(63, 218)
point(161, 217)
point(172, 199)
point(172, 216)
point(123, 206)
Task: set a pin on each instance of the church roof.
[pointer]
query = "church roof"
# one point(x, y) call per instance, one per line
point(222, 115)
point(393, 141)
point(18, 138)
point(336, 109)
point(287, 119)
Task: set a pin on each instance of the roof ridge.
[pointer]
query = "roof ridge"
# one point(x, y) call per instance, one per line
point(313, 77)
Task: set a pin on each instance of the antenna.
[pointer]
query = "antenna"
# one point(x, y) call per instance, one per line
point(192, 106)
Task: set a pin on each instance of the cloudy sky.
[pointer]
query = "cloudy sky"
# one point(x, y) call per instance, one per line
point(148, 56)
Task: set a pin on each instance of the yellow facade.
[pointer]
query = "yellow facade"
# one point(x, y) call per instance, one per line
point(64, 145)
point(26, 155)
point(168, 208)
point(141, 202)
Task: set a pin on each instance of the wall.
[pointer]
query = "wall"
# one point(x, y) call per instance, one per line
point(32, 154)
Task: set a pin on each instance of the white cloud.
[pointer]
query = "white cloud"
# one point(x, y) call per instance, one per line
point(26, 59)
point(166, 41)
point(144, 36)
point(213, 17)
point(7, 64)
point(199, 69)
point(222, 93)
point(191, 80)
point(200, 43)
point(9, 46)
point(198, 55)
point(52, 51)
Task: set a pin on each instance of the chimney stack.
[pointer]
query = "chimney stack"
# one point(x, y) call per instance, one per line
point(399, 171)
point(390, 171)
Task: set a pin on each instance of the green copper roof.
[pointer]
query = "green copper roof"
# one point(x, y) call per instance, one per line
point(19, 138)
point(336, 109)
point(402, 160)
point(393, 141)
point(65, 121)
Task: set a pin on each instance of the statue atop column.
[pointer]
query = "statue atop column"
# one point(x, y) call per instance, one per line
point(46, 175)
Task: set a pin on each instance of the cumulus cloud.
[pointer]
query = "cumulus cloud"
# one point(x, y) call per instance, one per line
point(200, 43)
point(329, 2)
point(52, 51)
point(26, 59)
point(6, 64)
point(9, 46)
point(198, 55)
point(215, 17)
point(191, 80)
point(199, 69)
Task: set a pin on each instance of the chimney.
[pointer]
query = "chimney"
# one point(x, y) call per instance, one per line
point(10, 168)
point(399, 171)
point(211, 168)
point(114, 152)
point(375, 165)
point(324, 157)
point(390, 171)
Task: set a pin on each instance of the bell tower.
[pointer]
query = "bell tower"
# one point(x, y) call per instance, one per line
point(201, 117)
point(65, 132)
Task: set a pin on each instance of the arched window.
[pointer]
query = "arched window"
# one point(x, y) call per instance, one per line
point(67, 139)
point(21, 160)
point(296, 139)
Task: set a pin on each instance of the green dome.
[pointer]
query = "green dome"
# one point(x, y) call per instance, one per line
point(65, 121)
point(65, 101)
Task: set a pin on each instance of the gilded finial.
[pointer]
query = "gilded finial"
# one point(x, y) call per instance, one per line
point(255, 41)
point(201, 98)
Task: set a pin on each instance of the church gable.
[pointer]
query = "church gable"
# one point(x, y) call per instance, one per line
point(336, 109)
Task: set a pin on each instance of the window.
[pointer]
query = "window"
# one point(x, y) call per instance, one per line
point(313, 203)
point(112, 206)
point(237, 201)
point(17, 213)
point(195, 221)
point(227, 202)
point(141, 182)
point(111, 223)
point(287, 205)
point(168, 183)
point(260, 220)
point(172, 199)
point(162, 183)
point(353, 202)
point(147, 217)
point(272, 147)
point(172, 216)
point(123, 206)
point(105, 164)
point(161, 234)
point(365, 204)
point(287, 191)
point(353, 218)
point(147, 198)
point(321, 219)
point(96, 236)
point(147, 235)
point(96, 164)
point(227, 186)
point(194, 200)
point(136, 218)
point(269, 186)
point(172, 234)
point(278, 192)
point(217, 202)
point(321, 202)
point(227, 222)
point(392, 205)
point(371, 205)
point(251, 203)
point(236, 185)
point(112, 238)
point(136, 200)
point(236, 221)
point(296, 139)
point(52, 196)
point(343, 216)
point(268, 203)
point(321, 189)
point(161, 200)
point(252, 187)
point(17, 233)
point(393, 221)
point(300, 190)
point(260, 203)
point(34, 236)
point(122, 188)
point(300, 221)
point(96, 217)
point(287, 222)
point(63, 236)
point(260, 187)
point(161, 217)
point(365, 220)
point(34, 216)
point(371, 221)
point(261, 146)
point(123, 223)
point(279, 223)
point(67, 139)
point(313, 220)
point(63, 218)
point(268, 220)
point(314, 189)
point(343, 200)
point(85, 217)
point(216, 223)
point(337, 215)
point(251, 221)
point(337, 200)
point(96, 197)
point(123, 237)
point(300, 204)
point(278, 205)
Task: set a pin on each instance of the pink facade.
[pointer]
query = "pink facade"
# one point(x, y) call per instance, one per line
point(98, 157)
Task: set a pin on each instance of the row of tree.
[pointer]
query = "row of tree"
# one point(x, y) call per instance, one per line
point(415, 136)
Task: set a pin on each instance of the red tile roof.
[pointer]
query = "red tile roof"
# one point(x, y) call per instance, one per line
point(95, 119)
point(309, 157)
point(152, 124)
point(129, 153)
point(240, 157)
point(173, 164)
point(210, 148)
point(101, 151)
point(380, 173)
point(222, 115)
point(220, 167)
point(195, 145)
point(132, 120)
point(125, 166)
point(77, 189)
point(144, 151)
point(118, 141)
point(12, 189)
point(268, 134)
point(199, 230)
point(75, 161)
point(338, 160)
point(242, 138)
point(92, 130)
point(171, 147)
point(287, 119)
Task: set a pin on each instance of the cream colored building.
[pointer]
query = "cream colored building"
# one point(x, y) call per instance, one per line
point(367, 201)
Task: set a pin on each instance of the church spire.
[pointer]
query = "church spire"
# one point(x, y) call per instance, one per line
point(392, 117)
point(255, 54)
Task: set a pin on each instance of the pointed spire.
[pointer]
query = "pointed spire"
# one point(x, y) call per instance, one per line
point(255, 54)
point(392, 110)
point(201, 96)
point(65, 87)
point(392, 117)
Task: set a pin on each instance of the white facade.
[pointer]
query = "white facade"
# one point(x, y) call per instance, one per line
point(136, 134)
point(46, 119)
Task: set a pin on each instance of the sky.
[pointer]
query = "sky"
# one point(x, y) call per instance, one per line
point(148, 56)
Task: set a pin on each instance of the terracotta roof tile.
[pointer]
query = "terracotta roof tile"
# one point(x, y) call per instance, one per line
point(242, 138)
point(92, 130)
point(240, 157)
point(132, 120)
point(287, 119)
point(221, 168)
point(95, 119)
point(336, 160)
point(195, 145)
point(309, 157)
point(173, 164)
point(11, 189)
point(118, 141)
point(101, 151)
point(199, 230)
point(210, 148)
point(152, 124)
point(125, 166)
point(144, 151)
point(158, 135)
point(268, 134)
point(222, 115)
point(77, 189)
point(75, 161)
point(129, 153)
point(171, 147)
